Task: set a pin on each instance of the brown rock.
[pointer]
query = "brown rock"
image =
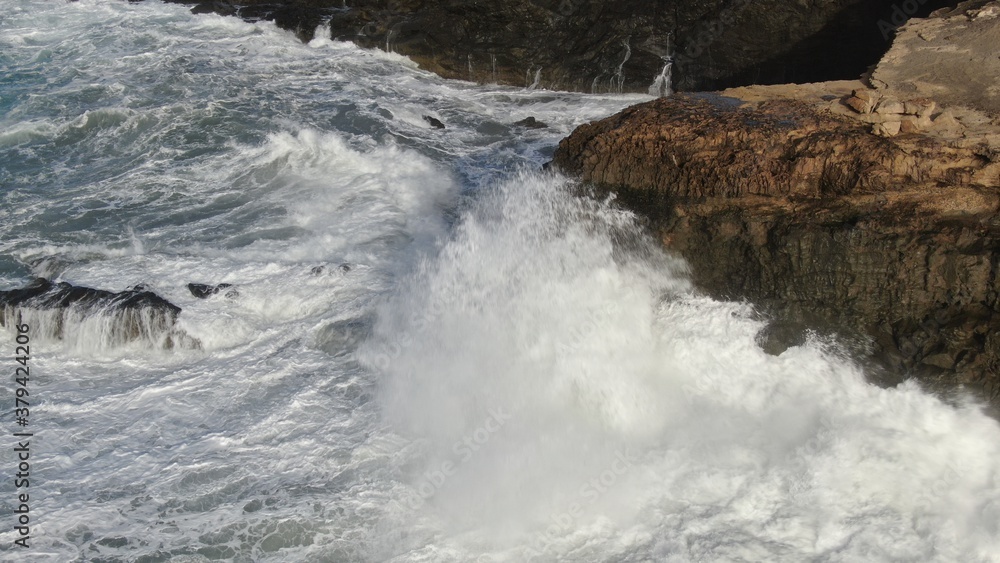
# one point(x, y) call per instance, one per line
point(947, 124)
point(987, 13)
point(809, 215)
point(889, 106)
point(952, 59)
point(863, 101)
point(921, 107)
point(914, 124)
point(887, 128)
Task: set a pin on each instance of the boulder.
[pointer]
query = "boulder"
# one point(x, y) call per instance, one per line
point(887, 128)
point(890, 106)
point(920, 107)
point(863, 100)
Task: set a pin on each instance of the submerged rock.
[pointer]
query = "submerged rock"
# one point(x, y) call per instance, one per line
point(322, 269)
point(131, 315)
point(531, 123)
point(204, 291)
point(340, 338)
point(434, 122)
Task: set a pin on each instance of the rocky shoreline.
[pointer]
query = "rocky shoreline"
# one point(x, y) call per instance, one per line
point(868, 207)
point(865, 207)
point(600, 46)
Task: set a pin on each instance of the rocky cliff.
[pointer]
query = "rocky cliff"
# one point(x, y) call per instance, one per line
point(870, 211)
point(597, 45)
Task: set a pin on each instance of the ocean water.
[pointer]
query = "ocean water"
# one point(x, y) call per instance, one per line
point(435, 352)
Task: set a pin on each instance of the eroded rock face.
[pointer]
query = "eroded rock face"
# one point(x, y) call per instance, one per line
point(811, 215)
point(601, 46)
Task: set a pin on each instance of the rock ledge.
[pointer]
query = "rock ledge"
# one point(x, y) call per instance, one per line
point(871, 211)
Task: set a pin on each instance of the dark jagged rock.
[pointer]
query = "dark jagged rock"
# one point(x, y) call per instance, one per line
point(434, 122)
point(300, 17)
point(806, 212)
point(137, 314)
point(44, 294)
point(596, 45)
point(531, 123)
point(204, 291)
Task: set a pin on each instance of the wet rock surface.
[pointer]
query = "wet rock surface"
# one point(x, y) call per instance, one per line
point(530, 123)
point(809, 214)
point(204, 291)
point(134, 314)
point(599, 46)
point(45, 294)
point(434, 122)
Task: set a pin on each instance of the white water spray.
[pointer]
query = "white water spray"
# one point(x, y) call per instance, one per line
point(562, 387)
point(536, 81)
point(662, 86)
point(618, 78)
point(540, 381)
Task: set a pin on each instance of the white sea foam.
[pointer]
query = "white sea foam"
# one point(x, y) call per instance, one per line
point(640, 421)
point(431, 354)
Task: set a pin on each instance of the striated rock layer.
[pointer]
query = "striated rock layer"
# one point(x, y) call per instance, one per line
point(795, 204)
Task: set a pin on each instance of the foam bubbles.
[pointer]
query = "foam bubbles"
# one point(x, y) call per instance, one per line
point(637, 417)
point(430, 354)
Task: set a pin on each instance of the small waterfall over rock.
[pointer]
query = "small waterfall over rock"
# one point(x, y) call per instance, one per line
point(662, 85)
